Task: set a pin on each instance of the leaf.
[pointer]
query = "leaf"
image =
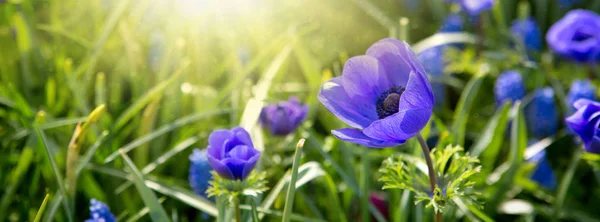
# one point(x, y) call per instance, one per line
point(440, 39)
point(289, 198)
point(165, 129)
point(42, 208)
point(16, 176)
point(157, 213)
point(489, 143)
point(464, 107)
point(565, 182)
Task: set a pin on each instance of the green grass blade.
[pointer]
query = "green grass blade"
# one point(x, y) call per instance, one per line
point(463, 108)
point(59, 179)
point(376, 13)
point(149, 96)
point(54, 204)
point(440, 39)
point(165, 129)
point(565, 183)
point(16, 176)
point(493, 135)
point(471, 211)
point(87, 157)
point(157, 212)
point(38, 215)
point(289, 198)
point(143, 212)
point(160, 160)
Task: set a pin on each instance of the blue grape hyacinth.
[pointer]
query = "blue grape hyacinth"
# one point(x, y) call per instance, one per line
point(231, 153)
point(580, 89)
point(452, 23)
point(384, 95)
point(527, 32)
point(434, 58)
point(199, 172)
point(509, 86)
point(284, 117)
point(541, 114)
point(99, 212)
point(543, 173)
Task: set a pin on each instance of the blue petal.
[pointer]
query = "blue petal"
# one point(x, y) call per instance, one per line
point(364, 78)
point(390, 53)
point(358, 114)
point(400, 126)
point(358, 137)
point(418, 93)
point(220, 168)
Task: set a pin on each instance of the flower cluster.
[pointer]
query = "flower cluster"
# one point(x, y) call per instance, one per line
point(99, 212)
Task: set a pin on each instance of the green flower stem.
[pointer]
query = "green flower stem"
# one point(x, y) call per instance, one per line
point(432, 182)
point(364, 186)
point(238, 213)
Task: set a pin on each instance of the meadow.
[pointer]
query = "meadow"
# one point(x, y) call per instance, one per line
point(299, 110)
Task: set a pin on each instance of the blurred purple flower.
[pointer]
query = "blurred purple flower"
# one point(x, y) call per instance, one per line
point(384, 95)
point(528, 32)
point(283, 118)
point(199, 175)
point(231, 153)
point(99, 212)
point(541, 114)
point(543, 173)
point(476, 7)
point(509, 86)
point(576, 36)
point(585, 123)
point(580, 89)
point(453, 23)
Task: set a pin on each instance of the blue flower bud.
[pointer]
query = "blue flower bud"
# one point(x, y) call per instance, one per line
point(541, 114)
point(199, 172)
point(543, 173)
point(99, 212)
point(580, 89)
point(527, 32)
point(509, 86)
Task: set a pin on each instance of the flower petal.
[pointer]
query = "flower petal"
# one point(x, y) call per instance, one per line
point(242, 152)
point(585, 121)
point(418, 93)
point(393, 54)
point(364, 77)
point(242, 136)
point(216, 141)
point(236, 166)
point(220, 168)
point(358, 114)
point(358, 137)
point(250, 165)
point(400, 126)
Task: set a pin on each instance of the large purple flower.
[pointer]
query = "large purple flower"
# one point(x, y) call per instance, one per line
point(231, 153)
point(283, 118)
point(384, 95)
point(585, 123)
point(576, 36)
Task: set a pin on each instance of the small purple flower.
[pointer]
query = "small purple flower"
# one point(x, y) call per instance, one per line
point(528, 33)
point(509, 86)
point(476, 7)
point(99, 212)
point(541, 114)
point(453, 23)
point(585, 123)
point(576, 36)
point(543, 173)
point(580, 89)
point(199, 172)
point(384, 95)
point(231, 153)
point(283, 118)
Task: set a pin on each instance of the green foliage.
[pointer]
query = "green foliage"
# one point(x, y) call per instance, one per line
point(253, 185)
point(454, 170)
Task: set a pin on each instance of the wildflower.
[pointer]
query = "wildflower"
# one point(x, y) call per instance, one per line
point(476, 7)
point(576, 36)
point(384, 95)
point(585, 122)
point(99, 212)
point(199, 172)
point(580, 89)
point(283, 118)
point(509, 86)
point(541, 114)
point(527, 32)
point(231, 153)
point(543, 173)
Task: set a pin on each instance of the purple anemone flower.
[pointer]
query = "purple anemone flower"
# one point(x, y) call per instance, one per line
point(476, 7)
point(231, 153)
point(283, 118)
point(585, 123)
point(99, 212)
point(384, 95)
point(576, 36)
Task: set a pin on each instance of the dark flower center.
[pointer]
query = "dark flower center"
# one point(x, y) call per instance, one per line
point(581, 36)
point(387, 103)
